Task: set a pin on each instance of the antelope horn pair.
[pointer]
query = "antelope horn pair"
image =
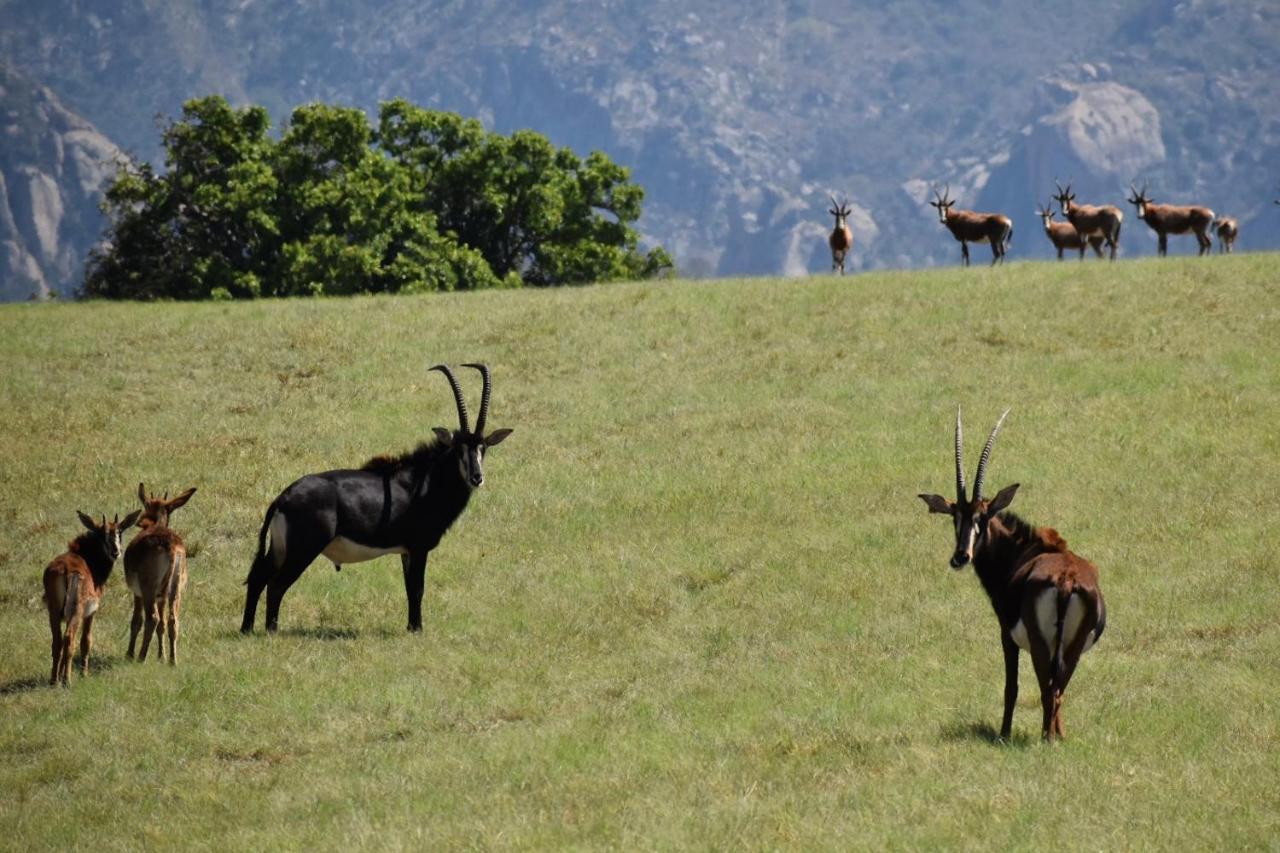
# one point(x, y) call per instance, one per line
point(982, 460)
point(457, 395)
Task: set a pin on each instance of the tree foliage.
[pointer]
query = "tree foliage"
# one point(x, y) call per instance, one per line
point(426, 201)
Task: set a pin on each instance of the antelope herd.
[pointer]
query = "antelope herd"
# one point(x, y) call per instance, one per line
point(1084, 226)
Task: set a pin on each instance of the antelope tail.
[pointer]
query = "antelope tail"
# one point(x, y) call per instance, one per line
point(1064, 597)
point(72, 603)
point(176, 567)
point(262, 541)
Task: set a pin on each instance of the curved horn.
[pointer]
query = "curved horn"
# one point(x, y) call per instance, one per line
point(960, 498)
point(986, 455)
point(484, 395)
point(457, 395)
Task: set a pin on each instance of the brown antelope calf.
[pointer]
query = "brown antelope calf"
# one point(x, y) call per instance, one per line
point(1063, 235)
point(841, 239)
point(1166, 219)
point(1228, 229)
point(73, 585)
point(1092, 221)
point(1046, 598)
point(155, 567)
point(969, 227)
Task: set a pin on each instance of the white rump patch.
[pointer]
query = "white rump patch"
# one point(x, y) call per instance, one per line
point(90, 607)
point(1072, 620)
point(1046, 610)
point(279, 531)
point(1019, 635)
point(342, 551)
point(980, 240)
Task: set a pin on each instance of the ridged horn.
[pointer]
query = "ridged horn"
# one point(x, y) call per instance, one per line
point(457, 395)
point(484, 395)
point(986, 455)
point(960, 498)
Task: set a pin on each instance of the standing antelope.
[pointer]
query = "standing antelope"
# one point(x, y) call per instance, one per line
point(73, 585)
point(401, 505)
point(969, 227)
point(1046, 598)
point(1092, 221)
point(841, 239)
point(1166, 219)
point(155, 567)
point(1063, 235)
point(1228, 229)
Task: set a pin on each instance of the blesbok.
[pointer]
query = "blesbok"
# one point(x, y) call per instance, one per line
point(841, 239)
point(1046, 598)
point(1228, 229)
point(1166, 219)
point(393, 505)
point(1092, 221)
point(970, 227)
point(73, 584)
point(155, 568)
point(1063, 235)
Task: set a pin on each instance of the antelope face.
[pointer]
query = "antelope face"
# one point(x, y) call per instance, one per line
point(1046, 215)
point(943, 205)
point(156, 510)
point(1064, 198)
point(1140, 201)
point(469, 448)
point(109, 533)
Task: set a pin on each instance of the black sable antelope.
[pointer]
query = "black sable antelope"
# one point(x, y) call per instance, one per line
point(1046, 598)
point(1166, 219)
point(1100, 223)
point(841, 239)
point(1063, 235)
point(401, 505)
point(969, 227)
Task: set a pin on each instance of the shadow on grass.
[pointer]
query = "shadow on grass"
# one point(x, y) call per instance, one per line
point(323, 632)
point(984, 732)
point(97, 664)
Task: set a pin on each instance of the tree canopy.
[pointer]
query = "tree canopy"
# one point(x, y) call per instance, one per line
point(425, 201)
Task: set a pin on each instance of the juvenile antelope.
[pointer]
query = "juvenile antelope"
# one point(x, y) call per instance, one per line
point(1045, 597)
point(1166, 219)
point(841, 239)
point(1228, 229)
point(1092, 221)
point(401, 505)
point(155, 567)
point(969, 227)
point(1063, 235)
point(73, 585)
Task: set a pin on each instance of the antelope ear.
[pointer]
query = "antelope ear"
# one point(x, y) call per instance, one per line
point(937, 503)
point(130, 520)
point(495, 438)
point(444, 435)
point(142, 493)
point(1003, 499)
point(181, 499)
point(88, 522)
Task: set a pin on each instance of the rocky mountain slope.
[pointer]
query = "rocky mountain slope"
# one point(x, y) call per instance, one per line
point(739, 118)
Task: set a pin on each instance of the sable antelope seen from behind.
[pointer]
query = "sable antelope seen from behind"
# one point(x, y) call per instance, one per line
point(970, 227)
point(73, 584)
point(1166, 219)
point(155, 568)
point(1092, 221)
point(1228, 229)
point(841, 239)
point(1045, 597)
point(401, 505)
point(1063, 235)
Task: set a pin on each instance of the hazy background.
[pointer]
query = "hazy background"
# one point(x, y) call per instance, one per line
point(738, 118)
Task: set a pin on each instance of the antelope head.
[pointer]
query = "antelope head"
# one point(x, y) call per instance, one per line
point(470, 446)
point(1046, 214)
point(1065, 197)
point(971, 515)
point(156, 510)
point(108, 533)
point(1139, 200)
point(942, 203)
point(840, 211)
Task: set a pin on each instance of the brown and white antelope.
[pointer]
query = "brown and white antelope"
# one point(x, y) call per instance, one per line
point(1045, 597)
point(73, 585)
point(1166, 219)
point(841, 239)
point(155, 568)
point(1228, 229)
point(1063, 235)
point(970, 227)
point(1092, 221)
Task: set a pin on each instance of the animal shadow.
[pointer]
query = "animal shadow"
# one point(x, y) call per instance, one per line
point(328, 632)
point(97, 664)
point(957, 732)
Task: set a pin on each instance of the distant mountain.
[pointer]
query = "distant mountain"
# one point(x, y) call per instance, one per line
point(740, 118)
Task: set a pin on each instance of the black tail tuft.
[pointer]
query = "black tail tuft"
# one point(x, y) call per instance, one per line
point(259, 559)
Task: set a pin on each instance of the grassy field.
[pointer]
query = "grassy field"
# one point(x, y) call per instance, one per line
point(697, 604)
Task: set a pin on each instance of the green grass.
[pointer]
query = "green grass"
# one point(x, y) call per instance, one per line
point(697, 603)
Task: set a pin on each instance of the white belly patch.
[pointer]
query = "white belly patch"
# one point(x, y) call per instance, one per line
point(342, 551)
